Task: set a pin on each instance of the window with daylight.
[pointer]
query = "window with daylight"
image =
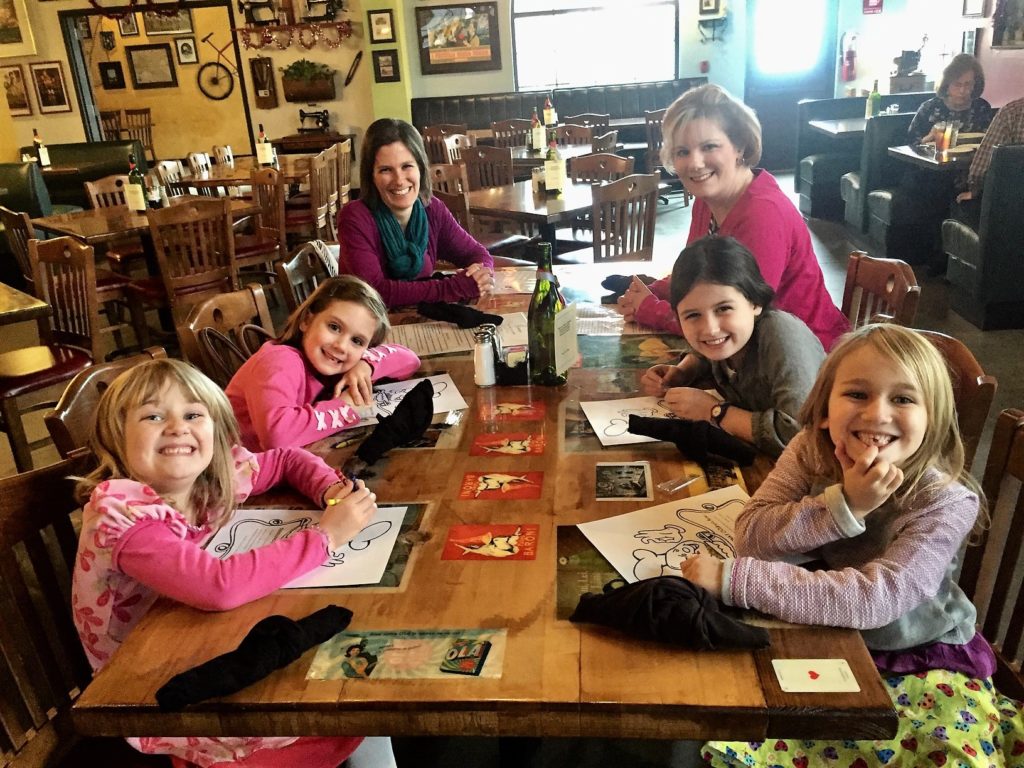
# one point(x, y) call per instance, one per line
point(565, 43)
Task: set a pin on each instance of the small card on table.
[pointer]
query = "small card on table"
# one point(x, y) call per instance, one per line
point(815, 675)
point(623, 481)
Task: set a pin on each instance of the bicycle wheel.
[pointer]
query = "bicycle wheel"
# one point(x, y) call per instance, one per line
point(215, 80)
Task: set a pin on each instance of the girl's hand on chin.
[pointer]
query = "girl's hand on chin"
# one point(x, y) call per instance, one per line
point(356, 385)
point(690, 403)
point(867, 480)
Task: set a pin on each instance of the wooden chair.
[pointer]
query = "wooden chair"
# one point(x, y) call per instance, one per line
point(344, 158)
point(448, 177)
point(454, 143)
point(570, 135)
point(605, 142)
point(138, 124)
point(42, 662)
point(267, 243)
point(599, 167)
point(879, 290)
point(989, 574)
point(65, 277)
point(623, 218)
point(125, 253)
point(495, 242)
point(433, 139)
point(596, 121)
point(973, 389)
point(171, 173)
point(71, 421)
point(487, 166)
point(223, 154)
point(110, 124)
point(511, 133)
point(300, 275)
point(223, 331)
point(18, 229)
point(653, 121)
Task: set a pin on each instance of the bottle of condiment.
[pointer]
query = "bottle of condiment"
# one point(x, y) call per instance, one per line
point(545, 304)
point(42, 153)
point(135, 191)
point(483, 356)
point(874, 102)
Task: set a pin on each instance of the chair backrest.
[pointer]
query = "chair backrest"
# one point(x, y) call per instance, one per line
point(433, 139)
point(268, 192)
point(973, 389)
point(199, 162)
point(240, 317)
point(223, 154)
point(989, 574)
point(487, 166)
point(879, 290)
point(605, 142)
point(42, 662)
point(448, 177)
point(19, 230)
point(22, 189)
point(300, 275)
point(458, 204)
point(623, 218)
point(596, 121)
point(569, 134)
point(511, 133)
point(454, 143)
point(65, 278)
point(323, 194)
point(599, 167)
point(138, 124)
point(653, 120)
point(110, 124)
point(195, 249)
point(71, 421)
point(344, 158)
point(107, 192)
point(170, 173)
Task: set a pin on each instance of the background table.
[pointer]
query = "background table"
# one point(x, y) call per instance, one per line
point(16, 306)
point(940, 161)
point(517, 202)
point(293, 169)
point(842, 128)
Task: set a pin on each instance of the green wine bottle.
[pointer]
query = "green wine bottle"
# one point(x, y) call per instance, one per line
point(547, 302)
point(135, 190)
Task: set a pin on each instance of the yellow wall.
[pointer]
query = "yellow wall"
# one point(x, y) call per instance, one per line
point(391, 99)
point(8, 148)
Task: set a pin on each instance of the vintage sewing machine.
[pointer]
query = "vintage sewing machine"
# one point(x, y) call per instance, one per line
point(316, 121)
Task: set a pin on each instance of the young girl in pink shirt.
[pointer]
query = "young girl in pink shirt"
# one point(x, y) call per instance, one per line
point(170, 473)
point(307, 384)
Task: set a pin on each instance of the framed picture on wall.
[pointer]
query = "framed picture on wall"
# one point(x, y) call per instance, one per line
point(16, 90)
point(51, 92)
point(179, 23)
point(710, 7)
point(381, 25)
point(128, 25)
point(458, 38)
point(15, 34)
point(974, 8)
point(111, 75)
point(151, 66)
point(385, 66)
point(970, 41)
point(186, 47)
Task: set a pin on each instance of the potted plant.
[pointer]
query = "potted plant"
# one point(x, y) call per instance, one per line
point(305, 80)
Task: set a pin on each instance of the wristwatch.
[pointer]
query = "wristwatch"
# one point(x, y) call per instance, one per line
point(718, 413)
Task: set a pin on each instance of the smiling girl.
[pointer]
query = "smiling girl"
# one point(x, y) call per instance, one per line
point(760, 360)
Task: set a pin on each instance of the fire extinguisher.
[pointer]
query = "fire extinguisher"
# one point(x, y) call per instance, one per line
point(849, 56)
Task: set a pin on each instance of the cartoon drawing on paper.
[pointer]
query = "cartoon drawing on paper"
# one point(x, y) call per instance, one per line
point(241, 533)
point(386, 400)
point(691, 539)
point(619, 424)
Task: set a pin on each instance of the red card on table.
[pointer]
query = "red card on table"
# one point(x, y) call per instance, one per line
point(503, 486)
point(508, 444)
point(510, 410)
point(491, 542)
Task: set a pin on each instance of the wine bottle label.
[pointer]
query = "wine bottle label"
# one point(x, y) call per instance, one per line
point(135, 197)
point(549, 115)
point(44, 157)
point(539, 140)
point(554, 171)
point(265, 153)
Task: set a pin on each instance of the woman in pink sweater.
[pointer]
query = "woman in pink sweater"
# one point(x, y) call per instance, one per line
point(308, 383)
point(170, 474)
point(713, 142)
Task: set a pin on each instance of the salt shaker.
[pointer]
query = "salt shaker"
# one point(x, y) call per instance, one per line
point(483, 357)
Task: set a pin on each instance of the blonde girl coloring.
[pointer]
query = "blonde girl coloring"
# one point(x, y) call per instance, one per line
point(169, 475)
point(307, 384)
point(874, 487)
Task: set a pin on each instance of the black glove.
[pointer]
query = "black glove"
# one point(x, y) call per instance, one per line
point(618, 284)
point(695, 439)
point(672, 610)
point(410, 420)
point(272, 643)
point(460, 314)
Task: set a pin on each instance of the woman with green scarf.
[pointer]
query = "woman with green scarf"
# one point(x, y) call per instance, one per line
point(395, 233)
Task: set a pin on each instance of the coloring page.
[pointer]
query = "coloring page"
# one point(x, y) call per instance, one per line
point(386, 397)
point(610, 418)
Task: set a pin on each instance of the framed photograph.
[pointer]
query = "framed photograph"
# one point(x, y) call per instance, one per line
point(974, 8)
point(15, 34)
point(458, 38)
point(83, 27)
point(51, 92)
point(970, 41)
point(128, 25)
point(381, 25)
point(186, 47)
point(385, 66)
point(16, 90)
point(710, 7)
point(111, 75)
point(157, 24)
point(151, 66)
point(107, 40)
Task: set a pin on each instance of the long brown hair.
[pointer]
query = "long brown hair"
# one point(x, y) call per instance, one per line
point(386, 131)
point(340, 288)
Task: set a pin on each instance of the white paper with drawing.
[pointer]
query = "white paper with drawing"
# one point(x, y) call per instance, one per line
point(442, 338)
point(386, 397)
point(652, 542)
point(610, 418)
point(361, 561)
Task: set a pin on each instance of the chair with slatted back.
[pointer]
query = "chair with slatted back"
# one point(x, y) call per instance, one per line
point(110, 124)
point(499, 244)
point(300, 275)
point(599, 167)
point(42, 662)
point(267, 242)
point(879, 290)
point(125, 253)
point(316, 220)
point(454, 144)
point(605, 142)
point(448, 177)
point(990, 571)
point(596, 121)
point(511, 133)
point(138, 124)
point(653, 121)
point(973, 389)
point(487, 166)
point(223, 154)
point(71, 421)
point(622, 217)
point(433, 140)
point(242, 322)
point(573, 135)
point(344, 158)
point(171, 173)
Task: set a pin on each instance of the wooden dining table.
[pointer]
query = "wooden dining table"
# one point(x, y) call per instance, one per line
point(16, 306)
point(293, 169)
point(517, 202)
point(557, 678)
point(525, 158)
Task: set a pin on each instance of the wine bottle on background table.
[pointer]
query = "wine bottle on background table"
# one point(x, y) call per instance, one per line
point(550, 115)
point(135, 191)
point(547, 302)
point(554, 169)
point(537, 133)
point(42, 153)
point(874, 102)
point(264, 149)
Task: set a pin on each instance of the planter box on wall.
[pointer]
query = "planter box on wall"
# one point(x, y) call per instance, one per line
point(308, 90)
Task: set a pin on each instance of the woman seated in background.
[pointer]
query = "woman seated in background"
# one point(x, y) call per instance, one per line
point(395, 233)
point(713, 142)
point(959, 99)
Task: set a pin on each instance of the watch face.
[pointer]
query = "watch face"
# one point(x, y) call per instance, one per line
point(716, 412)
